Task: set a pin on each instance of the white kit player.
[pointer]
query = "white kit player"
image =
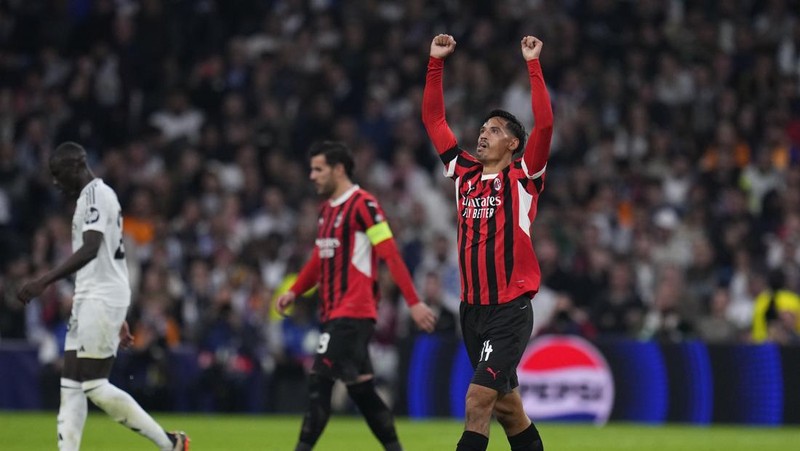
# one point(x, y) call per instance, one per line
point(97, 325)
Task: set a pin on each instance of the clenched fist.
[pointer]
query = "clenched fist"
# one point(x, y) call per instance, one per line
point(531, 48)
point(442, 46)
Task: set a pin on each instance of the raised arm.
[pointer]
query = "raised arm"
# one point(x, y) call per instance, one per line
point(537, 150)
point(433, 116)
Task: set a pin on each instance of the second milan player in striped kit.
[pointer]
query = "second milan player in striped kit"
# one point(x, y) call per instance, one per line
point(353, 234)
point(496, 195)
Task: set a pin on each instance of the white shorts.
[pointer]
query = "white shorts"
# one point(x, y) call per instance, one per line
point(93, 329)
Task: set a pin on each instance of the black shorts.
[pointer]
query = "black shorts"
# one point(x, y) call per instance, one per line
point(343, 349)
point(496, 337)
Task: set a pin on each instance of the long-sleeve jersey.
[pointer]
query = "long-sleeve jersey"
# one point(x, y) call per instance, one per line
point(343, 264)
point(496, 256)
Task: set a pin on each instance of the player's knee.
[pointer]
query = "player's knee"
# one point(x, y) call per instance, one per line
point(504, 415)
point(104, 395)
point(361, 389)
point(480, 401)
point(94, 387)
point(510, 413)
point(319, 409)
point(512, 422)
point(367, 399)
point(320, 388)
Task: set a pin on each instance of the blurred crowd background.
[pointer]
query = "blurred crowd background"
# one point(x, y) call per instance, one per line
point(672, 202)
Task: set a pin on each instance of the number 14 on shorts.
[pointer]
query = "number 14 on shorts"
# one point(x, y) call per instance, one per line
point(485, 351)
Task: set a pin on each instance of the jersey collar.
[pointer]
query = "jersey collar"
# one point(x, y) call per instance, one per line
point(346, 195)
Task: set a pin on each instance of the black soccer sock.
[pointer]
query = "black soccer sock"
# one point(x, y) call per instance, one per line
point(527, 440)
point(318, 413)
point(378, 416)
point(472, 441)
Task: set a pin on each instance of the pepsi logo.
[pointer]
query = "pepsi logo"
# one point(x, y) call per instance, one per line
point(565, 378)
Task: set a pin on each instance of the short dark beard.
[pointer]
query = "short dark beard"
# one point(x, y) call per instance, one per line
point(326, 191)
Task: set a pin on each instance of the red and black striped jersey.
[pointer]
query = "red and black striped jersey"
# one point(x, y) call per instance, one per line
point(495, 213)
point(348, 267)
point(352, 235)
point(496, 256)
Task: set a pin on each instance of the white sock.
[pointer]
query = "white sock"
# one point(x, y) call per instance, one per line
point(126, 411)
point(71, 415)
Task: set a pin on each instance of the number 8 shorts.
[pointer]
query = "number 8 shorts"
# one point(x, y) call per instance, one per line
point(343, 350)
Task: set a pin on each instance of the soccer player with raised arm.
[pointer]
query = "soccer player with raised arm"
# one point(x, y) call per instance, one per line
point(496, 195)
point(352, 235)
point(97, 323)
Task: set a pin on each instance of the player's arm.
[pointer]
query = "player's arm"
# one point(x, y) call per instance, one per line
point(372, 221)
point(380, 235)
point(537, 150)
point(433, 115)
point(306, 280)
point(91, 244)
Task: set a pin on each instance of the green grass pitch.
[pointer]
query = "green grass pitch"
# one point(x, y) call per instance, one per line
point(36, 431)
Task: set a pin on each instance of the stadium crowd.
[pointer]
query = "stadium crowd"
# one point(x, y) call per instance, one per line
point(672, 206)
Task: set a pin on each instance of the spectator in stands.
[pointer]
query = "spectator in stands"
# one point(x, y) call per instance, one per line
point(433, 293)
point(776, 316)
point(618, 310)
point(715, 327)
point(666, 321)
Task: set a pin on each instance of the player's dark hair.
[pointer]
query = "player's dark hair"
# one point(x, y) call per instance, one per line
point(335, 152)
point(512, 123)
point(68, 151)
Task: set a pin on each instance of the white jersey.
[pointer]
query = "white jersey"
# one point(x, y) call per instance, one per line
point(105, 278)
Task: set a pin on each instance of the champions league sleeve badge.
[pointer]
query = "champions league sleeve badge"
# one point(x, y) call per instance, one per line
point(92, 216)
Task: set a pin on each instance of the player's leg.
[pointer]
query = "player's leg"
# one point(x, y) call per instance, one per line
point(318, 411)
point(520, 430)
point(479, 400)
point(73, 407)
point(377, 414)
point(516, 317)
point(479, 406)
point(99, 339)
point(320, 387)
point(357, 373)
